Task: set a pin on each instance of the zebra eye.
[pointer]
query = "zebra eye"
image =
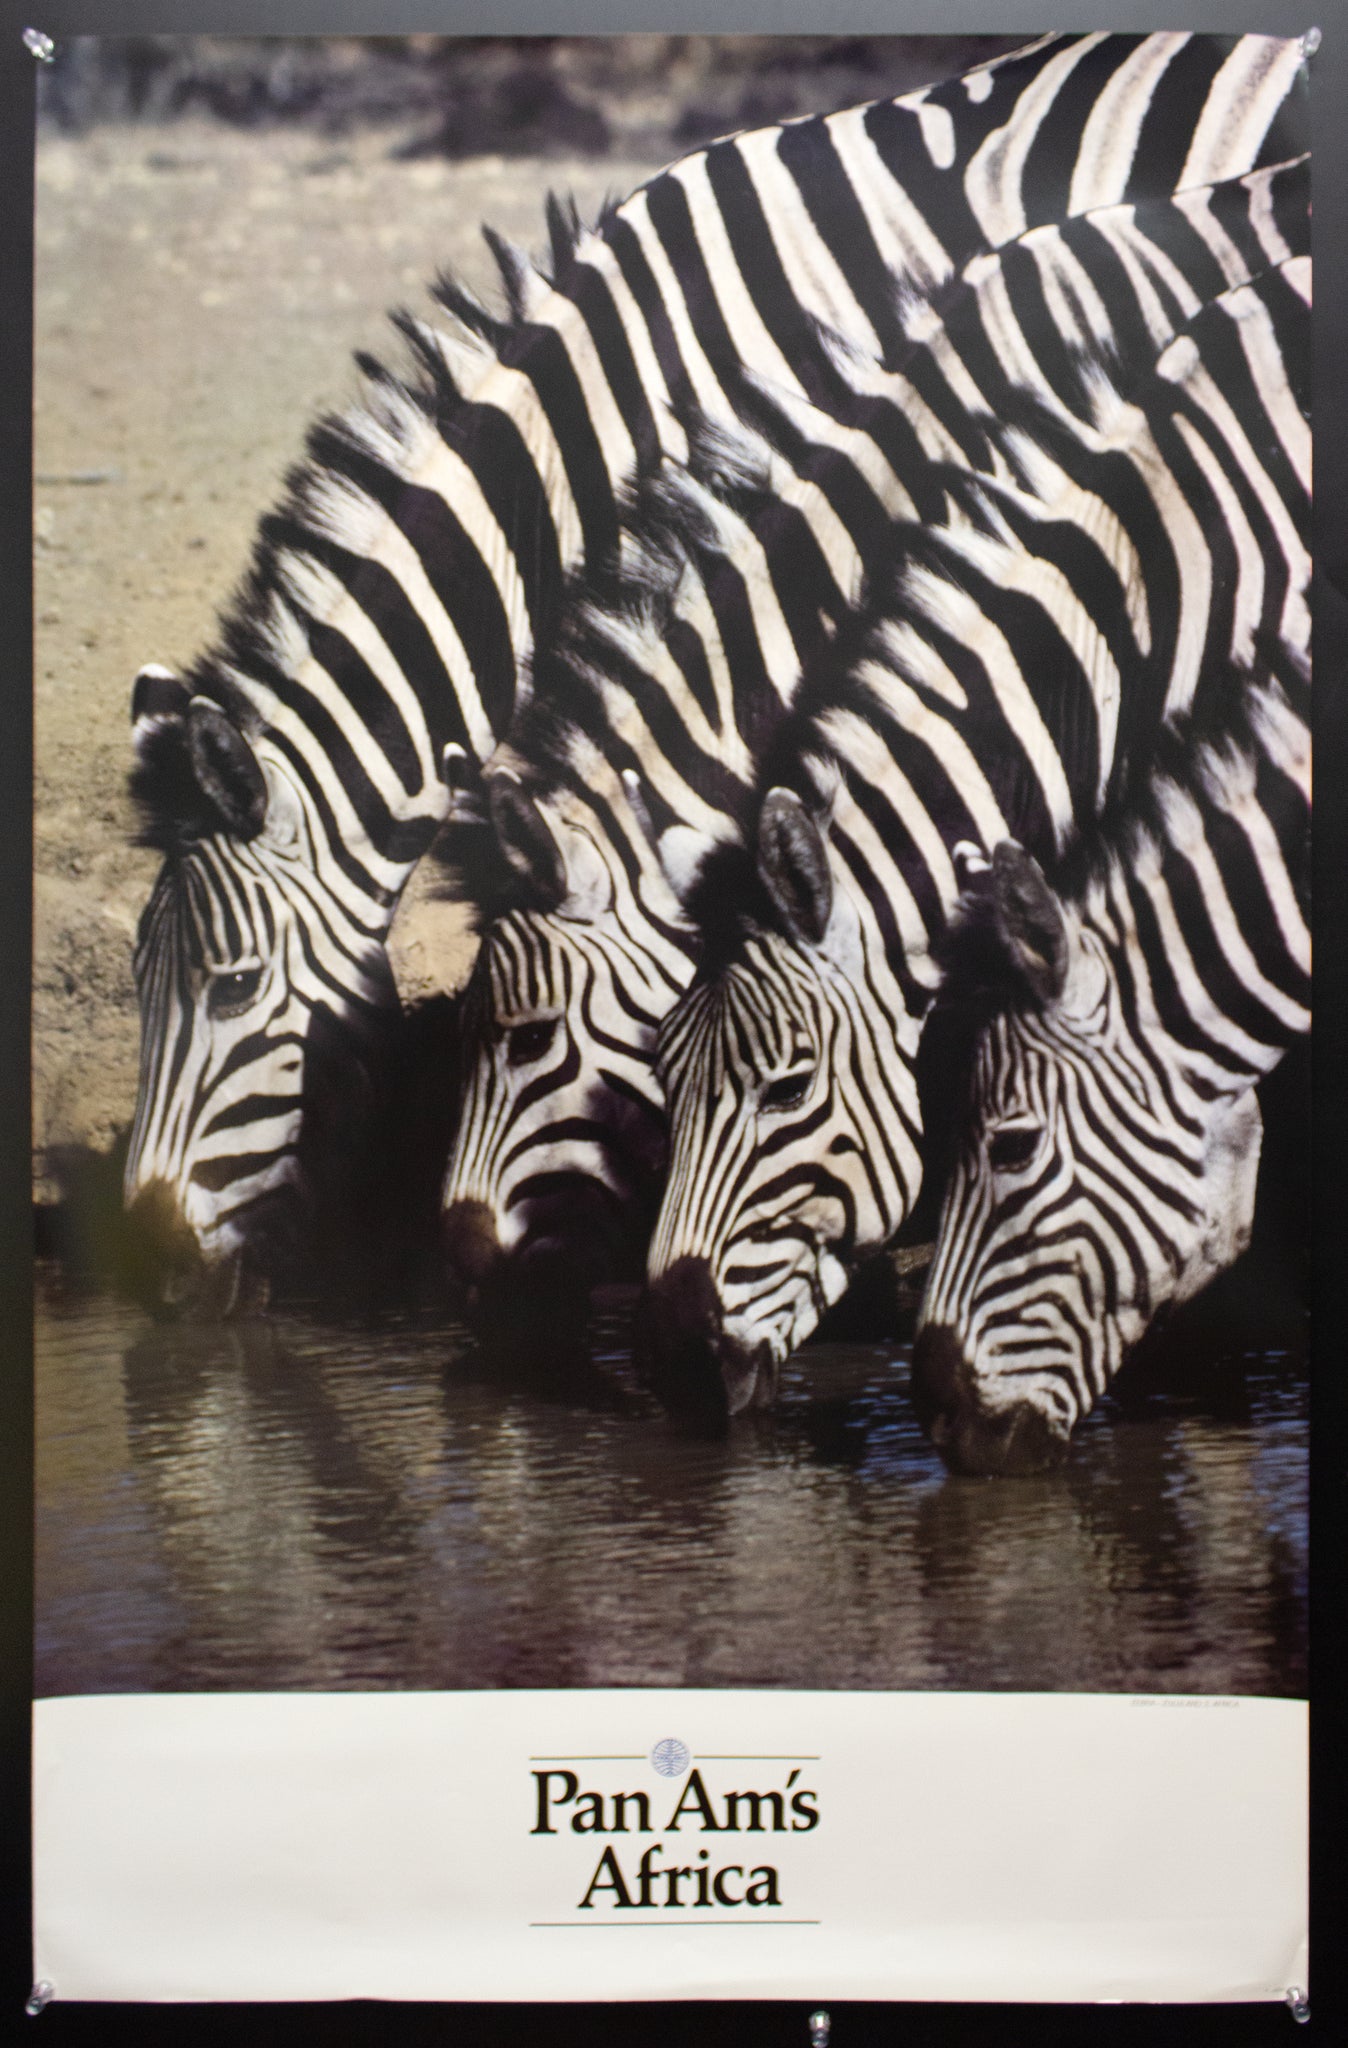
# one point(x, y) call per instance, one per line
point(527, 1042)
point(229, 995)
point(1013, 1146)
point(788, 1091)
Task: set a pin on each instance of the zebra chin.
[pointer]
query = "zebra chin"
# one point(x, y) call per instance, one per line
point(181, 1276)
point(973, 1433)
point(697, 1364)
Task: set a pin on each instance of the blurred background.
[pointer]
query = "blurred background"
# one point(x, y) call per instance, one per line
point(506, 95)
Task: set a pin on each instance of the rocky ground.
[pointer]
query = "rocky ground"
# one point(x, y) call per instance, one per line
point(201, 283)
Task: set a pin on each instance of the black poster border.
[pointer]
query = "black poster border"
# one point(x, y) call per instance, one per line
point(744, 2024)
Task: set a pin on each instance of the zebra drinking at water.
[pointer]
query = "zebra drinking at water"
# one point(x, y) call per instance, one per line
point(1137, 999)
point(567, 1001)
point(1111, 1167)
point(986, 692)
point(650, 707)
point(298, 771)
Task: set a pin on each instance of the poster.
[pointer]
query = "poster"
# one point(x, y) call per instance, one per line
point(266, 1507)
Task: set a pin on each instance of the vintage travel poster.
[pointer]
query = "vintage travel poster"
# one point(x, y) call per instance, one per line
point(671, 989)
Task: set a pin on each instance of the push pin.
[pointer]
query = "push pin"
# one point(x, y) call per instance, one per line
point(1298, 2003)
point(1310, 43)
point(41, 1994)
point(820, 2025)
point(44, 49)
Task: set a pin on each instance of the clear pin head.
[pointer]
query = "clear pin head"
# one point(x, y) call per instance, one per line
point(820, 2028)
point(39, 45)
point(1310, 43)
point(39, 1997)
point(1298, 2004)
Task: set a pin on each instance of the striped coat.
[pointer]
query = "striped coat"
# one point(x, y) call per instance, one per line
point(381, 647)
point(550, 1155)
point(1136, 998)
point(991, 702)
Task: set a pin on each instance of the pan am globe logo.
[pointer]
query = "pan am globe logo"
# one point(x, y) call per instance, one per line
point(670, 1757)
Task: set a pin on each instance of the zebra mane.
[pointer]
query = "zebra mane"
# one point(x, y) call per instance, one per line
point(1226, 725)
point(331, 508)
point(1027, 446)
point(1208, 747)
point(619, 608)
point(615, 609)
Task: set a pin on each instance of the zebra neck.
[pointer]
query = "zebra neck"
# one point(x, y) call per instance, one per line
point(1201, 918)
point(611, 872)
point(397, 594)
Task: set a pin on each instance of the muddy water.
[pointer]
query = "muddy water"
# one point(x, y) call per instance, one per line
point(290, 1504)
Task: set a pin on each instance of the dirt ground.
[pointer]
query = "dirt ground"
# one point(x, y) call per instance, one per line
point(199, 293)
point(200, 288)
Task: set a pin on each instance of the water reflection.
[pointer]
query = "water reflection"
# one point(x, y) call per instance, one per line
point(289, 1504)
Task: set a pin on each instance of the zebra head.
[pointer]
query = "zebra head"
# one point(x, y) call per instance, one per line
point(789, 1075)
point(257, 986)
point(1105, 1175)
point(553, 1178)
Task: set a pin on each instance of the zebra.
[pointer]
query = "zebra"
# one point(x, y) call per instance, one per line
point(653, 705)
point(380, 648)
point(987, 704)
point(1138, 995)
point(379, 651)
point(527, 1156)
point(538, 1171)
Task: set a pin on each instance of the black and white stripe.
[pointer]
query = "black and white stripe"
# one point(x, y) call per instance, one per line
point(424, 553)
point(548, 1139)
point(645, 731)
point(997, 698)
point(1109, 1168)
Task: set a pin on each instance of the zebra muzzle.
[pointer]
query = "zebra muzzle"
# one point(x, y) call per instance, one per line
point(702, 1372)
point(471, 1246)
point(166, 1269)
point(527, 1307)
point(974, 1433)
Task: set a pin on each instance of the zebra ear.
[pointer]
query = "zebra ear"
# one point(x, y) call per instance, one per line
point(681, 850)
point(589, 880)
point(466, 786)
point(527, 842)
point(159, 699)
point(226, 769)
point(1029, 921)
point(284, 824)
point(793, 862)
